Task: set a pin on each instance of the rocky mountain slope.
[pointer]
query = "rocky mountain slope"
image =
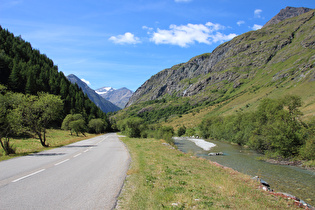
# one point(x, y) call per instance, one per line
point(102, 103)
point(274, 55)
point(286, 13)
point(273, 62)
point(119, 97)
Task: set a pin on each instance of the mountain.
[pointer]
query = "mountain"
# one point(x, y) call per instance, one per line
point(104, 90)
point(103, 104)
point(286, 13)
point(25, 70)
point(276, 60)
point(119, 97)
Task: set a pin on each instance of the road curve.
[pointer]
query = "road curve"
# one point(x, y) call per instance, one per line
point(85, 175)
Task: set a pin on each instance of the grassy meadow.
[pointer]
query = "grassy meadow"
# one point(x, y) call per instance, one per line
point(55, 138)
point(248, 101)
point(161, 177)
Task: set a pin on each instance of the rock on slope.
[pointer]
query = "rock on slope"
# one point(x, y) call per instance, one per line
point(286, 13)
point(103, 104)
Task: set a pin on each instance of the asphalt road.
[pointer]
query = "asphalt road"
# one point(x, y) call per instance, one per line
point(85, 175)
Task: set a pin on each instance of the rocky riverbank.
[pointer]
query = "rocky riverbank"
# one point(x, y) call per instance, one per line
point(298, 163)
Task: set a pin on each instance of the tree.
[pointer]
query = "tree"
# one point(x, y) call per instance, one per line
point(10, 119)
point(278, 130)
point(181, 131)
point(97, 125)
point(23, 69)
point(131, 126)
point(166, 133)
point(4, 67)
point(66, 122)
point(15, 79)
point(78, 126)
point(31, 86)
point(74, 122)
point(39, 111)
point(293, 103)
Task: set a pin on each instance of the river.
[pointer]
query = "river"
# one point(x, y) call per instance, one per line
point(282, 178)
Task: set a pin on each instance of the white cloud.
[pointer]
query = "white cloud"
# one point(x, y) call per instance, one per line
point(185, 35)
point(219, 37)
point(86, 82)
point(127, 38)
point(256, 27)
point(257, 13)
point(240, 22)
point(215, 26)
point(147, 28)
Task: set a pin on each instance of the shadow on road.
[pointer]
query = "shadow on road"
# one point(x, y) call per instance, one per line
point(72, 146)
point(47, 154)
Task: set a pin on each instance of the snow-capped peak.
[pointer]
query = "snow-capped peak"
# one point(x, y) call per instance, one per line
point(104, 90)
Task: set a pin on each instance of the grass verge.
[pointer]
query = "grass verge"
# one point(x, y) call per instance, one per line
point(160, 177)
point(55, 138)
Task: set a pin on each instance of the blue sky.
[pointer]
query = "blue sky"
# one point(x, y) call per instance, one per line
point(122, 43)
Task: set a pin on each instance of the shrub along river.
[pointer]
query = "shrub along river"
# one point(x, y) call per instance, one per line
point(282, 178)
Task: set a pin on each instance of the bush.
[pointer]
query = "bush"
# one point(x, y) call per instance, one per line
point(132, 127)
point(307, 151)
point(274, 128)
point(166, 133)
point(190, 132)
point(97, 125)
point(181, 131)
point(78, 126)
point(70, 118)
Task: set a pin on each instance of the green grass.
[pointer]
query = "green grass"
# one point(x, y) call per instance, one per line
point(55, 138)
point(161, 177)
point(309, 164)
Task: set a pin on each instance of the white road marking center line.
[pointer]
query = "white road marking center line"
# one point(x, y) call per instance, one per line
point(62, 162)
point(77, 155)
point(41, 170)
point(36, 172)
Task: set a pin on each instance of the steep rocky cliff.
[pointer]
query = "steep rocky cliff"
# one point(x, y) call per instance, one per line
point(103, 104)
point(274, 54)
point(286, 13)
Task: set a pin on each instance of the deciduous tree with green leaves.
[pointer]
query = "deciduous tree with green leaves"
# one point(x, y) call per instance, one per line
point(131, 126)
point(74, 123)
point(38, 112)
point(78, 126)
point(181, 131)
point(10, 118)
point(274, 128)
point(97, 125)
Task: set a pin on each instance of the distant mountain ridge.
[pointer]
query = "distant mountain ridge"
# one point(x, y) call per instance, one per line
point(103, 104)
point(104, 90)
point(288, 12)
point(276, 59)
point(119, 97)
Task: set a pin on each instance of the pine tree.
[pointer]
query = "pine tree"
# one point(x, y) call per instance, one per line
point(15, 80)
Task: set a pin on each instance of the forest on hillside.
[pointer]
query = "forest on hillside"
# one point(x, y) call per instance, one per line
point(25, 70)
point(33, 88)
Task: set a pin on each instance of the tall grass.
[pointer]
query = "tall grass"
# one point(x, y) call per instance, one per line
point(161, 177)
